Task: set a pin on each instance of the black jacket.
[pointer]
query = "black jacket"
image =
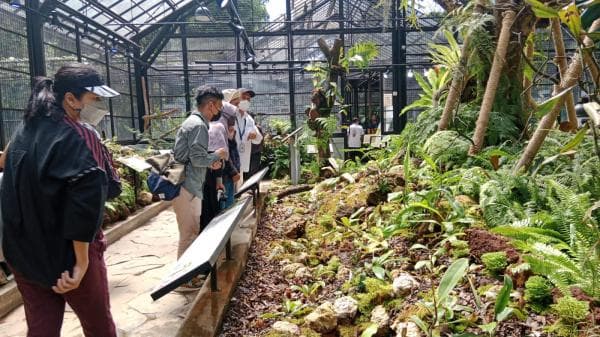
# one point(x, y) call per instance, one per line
point(53, 192)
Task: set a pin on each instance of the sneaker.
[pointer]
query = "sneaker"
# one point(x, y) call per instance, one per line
point(193, 285)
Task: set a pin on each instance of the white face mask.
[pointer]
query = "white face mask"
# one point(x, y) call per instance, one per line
point(93, 113)
point(244, 105)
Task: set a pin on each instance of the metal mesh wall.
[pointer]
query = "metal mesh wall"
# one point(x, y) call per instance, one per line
point(14, 71)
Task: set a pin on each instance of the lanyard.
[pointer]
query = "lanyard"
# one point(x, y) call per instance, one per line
point(238, 127)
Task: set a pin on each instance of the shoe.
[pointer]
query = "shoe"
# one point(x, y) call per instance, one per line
point(193, 285)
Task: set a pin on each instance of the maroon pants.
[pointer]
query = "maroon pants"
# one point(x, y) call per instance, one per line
point(44, 309)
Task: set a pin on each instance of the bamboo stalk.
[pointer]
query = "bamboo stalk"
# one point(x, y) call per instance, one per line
point(561, 61)
point(458, 78)
point(492, 84)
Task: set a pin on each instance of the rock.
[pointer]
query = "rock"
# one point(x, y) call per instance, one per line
point(301, 258)
point(145, 198)
point(323, 319)
point(406, 329)
point(344, 274)
point(403, 284)
point(398, 169)
point(286, 328)
point(492, 293)
point(290, 269)
point(380, 317)
point(276, 252)
point(345, 308)
point(303, 273)
point(465, 200)
point(295, 227)
point(348, 177)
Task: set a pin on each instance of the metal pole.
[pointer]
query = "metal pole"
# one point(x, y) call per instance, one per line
point(140, 74)
point(238, 58)
point(35, 40)
point(291, 73)
point(186, 73)
point(110, 105)
point(78, 44)
point(131, 105)
point(2, 126)
point(402, 87)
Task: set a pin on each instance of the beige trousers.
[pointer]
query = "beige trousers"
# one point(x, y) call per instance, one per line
point(188, 209)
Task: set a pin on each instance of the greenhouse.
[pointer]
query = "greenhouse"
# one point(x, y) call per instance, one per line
point(299, 168)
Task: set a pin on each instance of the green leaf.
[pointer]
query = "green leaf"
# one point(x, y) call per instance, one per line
point(504, 314)
point(451, 277)
point(503, 296)
point(418, 246)
point(489, 328)
point(542, 11)
point(573, 143)
point(569, 15)
point(379, 272)
point(422, 325)
point(594, 36)
point(370, 331)
point(589, 15)
point(549, 104)
point(421, 264)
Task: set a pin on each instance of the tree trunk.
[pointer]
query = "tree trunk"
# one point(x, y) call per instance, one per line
point(571, 78)
point(458, 78)
point(561, 61)
point(492, 84)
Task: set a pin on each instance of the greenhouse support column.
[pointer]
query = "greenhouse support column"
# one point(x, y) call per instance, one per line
point(238, 64)
point(35, 40)
point(140, 75)
point(291, 73)
point(110, 103)
point(399, 60)
point(78, 44)
point(131, 105)
point(186, 72)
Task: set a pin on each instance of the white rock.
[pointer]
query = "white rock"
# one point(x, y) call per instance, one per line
point(286, 327)
point(290, 269)
point(345, 308)
point(404, 284)
point(380, 317)
point(348, 177)
point(303, 273)
point(406, 329)
point(344, 274)
point(323, 319)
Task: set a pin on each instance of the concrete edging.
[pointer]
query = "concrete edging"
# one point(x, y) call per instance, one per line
point(10, 298)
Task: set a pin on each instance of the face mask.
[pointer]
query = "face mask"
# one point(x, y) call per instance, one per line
point(244, 105)
point(217, 116)
point(92, 113)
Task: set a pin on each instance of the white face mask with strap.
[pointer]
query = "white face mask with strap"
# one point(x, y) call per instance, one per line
point(93, 113)
point(244, 105)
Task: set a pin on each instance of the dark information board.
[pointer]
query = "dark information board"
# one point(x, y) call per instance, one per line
point(205, 250)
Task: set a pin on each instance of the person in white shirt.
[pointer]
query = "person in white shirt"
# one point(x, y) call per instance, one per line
point(355, 133)
point(246, 132)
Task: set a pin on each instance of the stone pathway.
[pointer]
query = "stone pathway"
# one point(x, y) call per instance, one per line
point(136, 263)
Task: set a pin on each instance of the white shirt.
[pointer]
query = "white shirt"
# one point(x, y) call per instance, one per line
point(355, 132)
point(244, 125)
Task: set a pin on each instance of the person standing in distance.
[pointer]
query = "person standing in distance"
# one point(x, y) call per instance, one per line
point(191, 148)
point(246, 131)
point(355, 133)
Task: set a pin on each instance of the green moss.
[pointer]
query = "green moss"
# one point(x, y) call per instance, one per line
point(560, 329)
point(334, 264)
point(494, 262)
point(375, 293)
point(570, 310)
point(538, 292)
point(307, 332)
point(347, 331)
point(347, 287)
point(394, 304)
point(460, 249)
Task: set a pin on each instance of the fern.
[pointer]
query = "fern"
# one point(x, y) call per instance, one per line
point(534, 234)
